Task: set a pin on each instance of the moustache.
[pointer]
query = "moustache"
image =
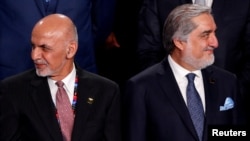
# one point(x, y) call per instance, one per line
point(41, 62)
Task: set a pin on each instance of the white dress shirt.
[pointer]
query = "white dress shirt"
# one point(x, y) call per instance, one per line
point(69, 82)
point(181, 79)
point(208, 2)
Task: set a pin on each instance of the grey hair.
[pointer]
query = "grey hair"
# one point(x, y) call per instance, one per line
point(76, 34)
point(72, 34)
point(179, 23)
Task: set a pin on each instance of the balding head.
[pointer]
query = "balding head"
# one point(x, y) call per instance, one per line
point(54, 45)
point(56, 25)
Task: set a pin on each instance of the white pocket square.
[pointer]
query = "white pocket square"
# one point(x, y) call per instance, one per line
point(229, 104)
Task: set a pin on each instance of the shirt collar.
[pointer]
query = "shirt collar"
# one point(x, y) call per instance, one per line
point(67, 80)
point(179, 70)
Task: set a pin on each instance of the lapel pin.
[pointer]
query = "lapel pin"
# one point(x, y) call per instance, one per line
point(211, 80)
point(90, 100)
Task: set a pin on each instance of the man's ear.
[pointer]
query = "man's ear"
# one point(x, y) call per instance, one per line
point(179, 44)
point(72, 48)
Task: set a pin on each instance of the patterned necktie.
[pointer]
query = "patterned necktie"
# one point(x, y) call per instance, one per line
point(200, 2)
point(65, 112)
point(194, 105)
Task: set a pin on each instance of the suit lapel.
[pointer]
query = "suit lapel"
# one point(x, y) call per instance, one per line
point(85, 91)
point(211, 96)
point(45, 106)
point(210, 89)
point(171, 89)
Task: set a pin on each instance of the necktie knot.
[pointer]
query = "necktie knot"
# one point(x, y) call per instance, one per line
point(59, 83)
point(190, 77)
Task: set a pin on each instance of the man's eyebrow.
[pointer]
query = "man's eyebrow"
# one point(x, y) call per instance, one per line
point(40, 46)
point(43, 46)
point(207, 31)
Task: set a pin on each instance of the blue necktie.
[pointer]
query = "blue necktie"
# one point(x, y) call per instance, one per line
point(194, 105)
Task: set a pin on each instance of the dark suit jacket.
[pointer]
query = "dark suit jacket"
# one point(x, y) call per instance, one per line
point(233, 32)
point(155, 109)
point(27, 111)
point(93, 19)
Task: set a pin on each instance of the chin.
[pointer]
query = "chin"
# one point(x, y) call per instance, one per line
point(42, 73)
